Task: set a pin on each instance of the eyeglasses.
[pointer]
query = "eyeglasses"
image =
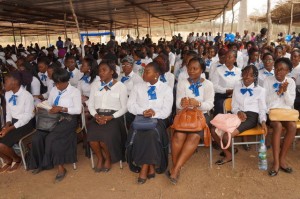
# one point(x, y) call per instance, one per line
point(127, 65)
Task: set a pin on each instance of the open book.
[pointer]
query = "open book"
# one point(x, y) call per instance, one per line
point(44, 105)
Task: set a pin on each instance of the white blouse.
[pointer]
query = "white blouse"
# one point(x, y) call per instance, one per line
point(77, 75)
point(114, 98)
point(242, 100)
point(50, 85)
point(70, 98)
point(206, 94)
point(133, 80)
point(139, 66)
point(295, 74)
point(84, 87)
point(213, 68)
point(224, 79)
point(35, 86)
point(262, 75)
point(23, 110)
point(139, 100)
point(43, 77)
point(184, 74)
point(170, 79)
point(284, 101)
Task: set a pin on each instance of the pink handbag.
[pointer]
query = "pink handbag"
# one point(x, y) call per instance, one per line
point(225, 123)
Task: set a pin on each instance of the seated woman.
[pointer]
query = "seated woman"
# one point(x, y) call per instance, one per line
point(192, 92)
point(75, 73)
point(58, 147)
point(281, 93)
point(224, 79)
point(19, 120)
point(148, 149)
point(248, 102)
point(107, 104)
point(165, 76)
point(268, 70)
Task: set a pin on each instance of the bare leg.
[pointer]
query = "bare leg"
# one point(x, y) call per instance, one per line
point(178, 140)
point(151, 169)
point(228, 155)
point(144, 171)
point(277, 129)
point(107, 163)
point(288, 140)
point(97, 150)
point(11, 154)
point(61, 169)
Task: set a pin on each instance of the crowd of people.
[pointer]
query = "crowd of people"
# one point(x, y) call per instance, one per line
point(116, 83)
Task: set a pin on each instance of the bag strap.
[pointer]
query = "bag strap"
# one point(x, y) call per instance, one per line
point(228, 143)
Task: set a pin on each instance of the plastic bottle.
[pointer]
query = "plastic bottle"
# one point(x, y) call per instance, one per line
point(262, 156)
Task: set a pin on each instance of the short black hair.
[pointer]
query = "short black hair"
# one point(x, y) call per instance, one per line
point(278, 47)
point(255, 72)
point(284, 60)
point(200, 61)
point(93, 67)
point(268, 54)
point(60, 75)
point(112, 65)
point(139, 54)
point(44, 60)
point(155, 66)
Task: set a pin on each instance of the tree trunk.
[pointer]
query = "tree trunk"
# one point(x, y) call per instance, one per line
point(223, 24)
point(292, 13)
point(269, 22)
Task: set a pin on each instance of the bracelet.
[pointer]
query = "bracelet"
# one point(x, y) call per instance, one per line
point(199, 104)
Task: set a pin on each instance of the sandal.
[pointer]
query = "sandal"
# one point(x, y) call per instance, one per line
point(221, 162)
point(14, 167)
point(287, 169)
point(141, 180)
point(273, 173)
point(172, 180)
point(235, 152)
point(4, 168)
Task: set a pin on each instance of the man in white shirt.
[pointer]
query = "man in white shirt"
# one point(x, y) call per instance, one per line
point(129, 39)
point(172, 57)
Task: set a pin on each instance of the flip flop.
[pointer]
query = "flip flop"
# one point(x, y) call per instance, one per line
point(273, 173)
point(221, 162)
point(235, 152)
point(287, 169)
point(14, 167)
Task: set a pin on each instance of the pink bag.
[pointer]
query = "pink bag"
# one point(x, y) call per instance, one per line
point(225, 123)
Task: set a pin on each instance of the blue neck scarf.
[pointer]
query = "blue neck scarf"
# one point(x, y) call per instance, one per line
point(207, 63)
point(268, 73)
point(56, 101)
point(124, 79)
point(139, 62)
point(219, 65)
point(162, 78)
point(276, 86)
point(227, 73)
point(13, 99)
point(108, 85)
point(44, 77)
point(195, 87)
point(85, 78)
point(152, 93)
point(245, 90)
point(71, 74)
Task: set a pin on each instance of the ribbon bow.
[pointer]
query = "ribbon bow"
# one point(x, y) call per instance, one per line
point(162, 78)
point(56, 101)
point(195, 87)
point(139, 62)
point(13, 99)
point(268, 73)
point(227, 73)
point(104, 85)
point(85, 78)
point(124, 79)
point(207, 63)
point(245, 90)
point(276, 86)
point(71, 74)
point(152, 93)
point(44, 77)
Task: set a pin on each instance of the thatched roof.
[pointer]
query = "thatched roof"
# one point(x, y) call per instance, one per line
point(36, 17)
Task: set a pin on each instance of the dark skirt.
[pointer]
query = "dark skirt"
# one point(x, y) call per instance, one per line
point(56, 147)
point(112, 134)
point(15, 135)
point(219, 103)
point(148, 147)
point(251, 122)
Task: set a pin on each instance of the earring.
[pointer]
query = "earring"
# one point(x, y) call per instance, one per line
point(155, 78)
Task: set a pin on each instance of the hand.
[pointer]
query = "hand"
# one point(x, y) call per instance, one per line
point(242, 116)
point(148, 113)
point(195, 103)
point(229, 92)
point(4, 132)
point(283, 88)
point(184, 102)
point(84, 98)
point(264, 127)
point(39, 97)
point(55, 109)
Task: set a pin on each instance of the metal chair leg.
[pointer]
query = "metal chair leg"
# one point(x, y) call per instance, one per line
point(74, 166)
point(210, 153)
point(121, 164)
point(92, 159)
point(22, 154)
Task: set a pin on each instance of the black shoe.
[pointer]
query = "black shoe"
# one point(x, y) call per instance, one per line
point(60, 177)
point(273, 173)
point(97, 170)
point(141, 181)
point(246, 147)
point(151, 176)
point(235, 152)
point(36, 171)
point(172, 180)
point(287, 170)
point(221, 162)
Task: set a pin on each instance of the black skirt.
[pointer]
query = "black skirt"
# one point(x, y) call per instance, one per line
point(219, 103)
point(56, 147)
point(15, 135)
point(148, 147)
point(251, 122)
point(112, 134)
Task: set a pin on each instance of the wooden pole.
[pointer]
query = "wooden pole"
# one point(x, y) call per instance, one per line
point(231, 30)
point(223, 24)
point(164, 28)
point(77, 25)
point(269, 22)
point(150, 24)
point(65, 25)
point(21, 36)
point(137, 22)
point(292, 13)
point(14, 36)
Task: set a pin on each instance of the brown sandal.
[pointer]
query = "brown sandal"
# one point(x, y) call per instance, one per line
point(14, 167)
point(4, 168)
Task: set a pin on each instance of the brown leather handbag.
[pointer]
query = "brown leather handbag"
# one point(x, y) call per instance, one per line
point(191, 120)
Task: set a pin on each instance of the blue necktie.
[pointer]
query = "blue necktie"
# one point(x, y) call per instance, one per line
point(104, 85)
point(268, 73)
point(139, 62)
point(124, 79)
point(276, 86)
point(13, 99)
point(245, 90)
point(227, 73)
point(152, 93)
point(71, 74)
point(44, 77)
point(162, 78)
point(207, 63)
point(85, 78)
point(195, 87)
point(56, 101)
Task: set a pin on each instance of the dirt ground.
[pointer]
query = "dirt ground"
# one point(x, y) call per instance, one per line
point(197, 180)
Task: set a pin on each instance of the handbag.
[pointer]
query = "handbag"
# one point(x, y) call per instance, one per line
point(144, 123)
point(191, 120)
point(225, 123)
point(286, 115)
point(46, 121)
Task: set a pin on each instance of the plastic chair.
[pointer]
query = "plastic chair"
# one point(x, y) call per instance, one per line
point(257, 131)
